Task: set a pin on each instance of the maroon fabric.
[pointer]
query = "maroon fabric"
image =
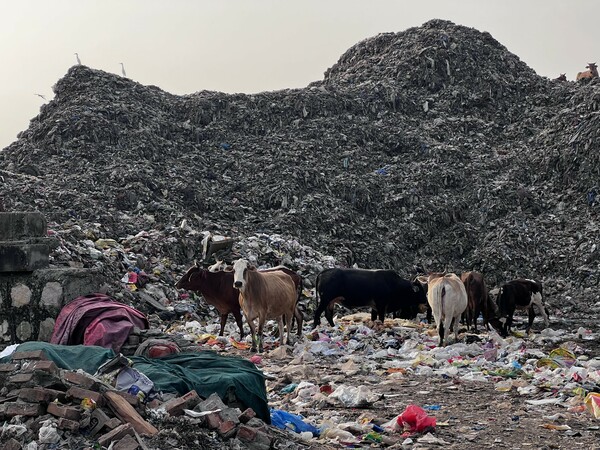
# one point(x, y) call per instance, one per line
point(96, 319)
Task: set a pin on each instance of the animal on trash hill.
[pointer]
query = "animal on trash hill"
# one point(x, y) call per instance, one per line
point(218, 291)
point(382, 290)
point(477, 299)
point(264, 295)
point(561, 77)
point(447, 298)
point(520, 294)
point(592, 72)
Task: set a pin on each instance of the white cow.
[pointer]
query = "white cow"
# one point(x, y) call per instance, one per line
point(447, 298)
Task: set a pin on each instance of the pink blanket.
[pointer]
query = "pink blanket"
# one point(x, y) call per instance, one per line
point(96, 319)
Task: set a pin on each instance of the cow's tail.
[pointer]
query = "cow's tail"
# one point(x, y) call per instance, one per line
point(300, 286)
point(317, 283)
point(443, 310)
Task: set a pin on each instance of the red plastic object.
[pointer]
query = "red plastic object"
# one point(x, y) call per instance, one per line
point(158, 351)
point(415, 419)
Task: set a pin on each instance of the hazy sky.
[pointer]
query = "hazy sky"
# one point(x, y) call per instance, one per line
point(249, 46)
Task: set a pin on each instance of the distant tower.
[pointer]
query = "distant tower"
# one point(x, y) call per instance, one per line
point(123, 70)
point(78, 60)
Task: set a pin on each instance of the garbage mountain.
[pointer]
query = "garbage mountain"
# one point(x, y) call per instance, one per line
point(433, 148)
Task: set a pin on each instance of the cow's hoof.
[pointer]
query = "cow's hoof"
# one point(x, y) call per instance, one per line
point(253, 349)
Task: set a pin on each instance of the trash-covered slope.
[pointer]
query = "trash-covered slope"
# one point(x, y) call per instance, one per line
point(433, 147)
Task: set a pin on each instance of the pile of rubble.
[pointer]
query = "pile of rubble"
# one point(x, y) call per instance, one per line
point(56, 407)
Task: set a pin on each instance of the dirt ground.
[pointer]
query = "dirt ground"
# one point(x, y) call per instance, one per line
point(470, 414)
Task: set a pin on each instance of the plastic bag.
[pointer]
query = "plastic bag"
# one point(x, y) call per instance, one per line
point(592, 401)
point(355, 397)
point(415, 419)
point(285, 420)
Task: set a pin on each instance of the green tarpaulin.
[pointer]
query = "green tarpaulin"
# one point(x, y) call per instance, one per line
point(205, 372)
point(71, 357)
point(208, 372)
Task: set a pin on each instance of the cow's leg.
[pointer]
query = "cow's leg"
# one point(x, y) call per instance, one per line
point(536, 299)
point(373, 314)
point(259, 336)
point(381, 311)
point(320, 309)
point(476, 315)
point(509, 322)
point(289, 316)
point(531, 313)
point(299, 319)
point(223, 322)
point(238, 319)
point(441, 332)
point(280, 322)
point(329, 313)
point(253, 332)
point(455, 322)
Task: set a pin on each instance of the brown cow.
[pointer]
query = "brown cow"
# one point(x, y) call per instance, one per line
point(218, 291)
point(477, 296)
point(264, 295)
point(592, 72)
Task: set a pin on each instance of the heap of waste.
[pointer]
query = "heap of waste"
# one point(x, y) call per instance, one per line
point(429, 149)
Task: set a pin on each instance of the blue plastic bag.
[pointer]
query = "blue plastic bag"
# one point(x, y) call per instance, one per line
point(285, 420)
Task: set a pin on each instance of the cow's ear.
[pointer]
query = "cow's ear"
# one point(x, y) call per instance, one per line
point(228, 269)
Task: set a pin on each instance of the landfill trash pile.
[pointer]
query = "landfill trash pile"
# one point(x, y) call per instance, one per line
point(429, 149)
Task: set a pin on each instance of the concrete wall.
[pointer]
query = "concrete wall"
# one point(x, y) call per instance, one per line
point(31, 293)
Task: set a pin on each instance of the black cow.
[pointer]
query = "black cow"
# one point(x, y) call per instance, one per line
point(383, 290)
point(520, 294)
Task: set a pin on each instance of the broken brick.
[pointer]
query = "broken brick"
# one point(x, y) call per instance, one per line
point(113, 423)
point(67, 424)
point(36, 395)
point(23, 409)
point(227, 429)
point(79, 379)
point(126, 443)
point(176, 406)
point(213, 420)
point(246, 433)
point(8, 367)
point(248, 414)
point(68, 412)
point(45, 366)
point(34, 354)
point(20, 378)
point(114, 435)
point(80, 393)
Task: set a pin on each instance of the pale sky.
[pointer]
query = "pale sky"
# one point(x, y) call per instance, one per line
point(249, 46)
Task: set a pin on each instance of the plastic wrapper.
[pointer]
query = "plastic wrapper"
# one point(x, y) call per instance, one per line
point(285, 420)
